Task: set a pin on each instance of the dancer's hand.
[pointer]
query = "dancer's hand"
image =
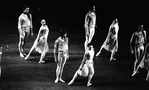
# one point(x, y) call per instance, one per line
point(132, 52)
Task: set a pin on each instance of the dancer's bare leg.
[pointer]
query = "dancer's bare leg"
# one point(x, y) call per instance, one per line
point(112, 55)
point(20, 46)
point(147, 78)
point(62, 63)
point(74, 77)
point(136, 63)
point(99, 51)
point(57, 72)
point(30, 52)
point(42, 56)
point(90, 76)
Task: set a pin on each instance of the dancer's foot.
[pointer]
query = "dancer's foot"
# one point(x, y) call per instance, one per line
point(70, 82)
point(112, 59)
point(56, 81)
point(61, 80)
point(41, 61)
point(21, 55)
point(97, 54)
point(89, 84)
point(134, 73)
point(147, 79)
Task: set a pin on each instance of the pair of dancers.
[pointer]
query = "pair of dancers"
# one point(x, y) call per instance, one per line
point(111, 44)
point(140, 48)
point(25, 28)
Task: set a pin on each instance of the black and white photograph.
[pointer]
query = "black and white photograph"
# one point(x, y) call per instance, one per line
point(74, 45)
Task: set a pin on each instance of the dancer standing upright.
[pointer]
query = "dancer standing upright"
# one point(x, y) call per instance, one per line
point(90, 23)
point(25, 27)
point(111, 42)
point(137, 46)
point(61, 54)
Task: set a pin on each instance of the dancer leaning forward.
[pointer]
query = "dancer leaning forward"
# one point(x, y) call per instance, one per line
point(41, 44)
point(86, 68)
point(111, 42)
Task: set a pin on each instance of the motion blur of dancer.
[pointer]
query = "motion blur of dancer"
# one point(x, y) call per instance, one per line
point(41, 44)
point(111, 42)
point(61, 54)
point(137, 46)
point(90, 23)
point(25, 27)
point(87, 66)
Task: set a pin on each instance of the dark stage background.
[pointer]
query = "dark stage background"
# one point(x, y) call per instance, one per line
point(70, 15)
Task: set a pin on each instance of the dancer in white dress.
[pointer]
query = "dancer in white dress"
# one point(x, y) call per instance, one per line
point(25, 27)
point(90, 23)
point(111, 42)
point(61, 54)
point(86, 68)
point(41, 44)
point(137, 46)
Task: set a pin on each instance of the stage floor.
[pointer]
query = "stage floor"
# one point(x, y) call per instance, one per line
point(18, 74)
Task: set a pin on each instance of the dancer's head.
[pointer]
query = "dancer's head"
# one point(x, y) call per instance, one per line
point(63, 32)
point(90, 46)
point(43, 21)
point(94, 8)
point(26, 10)
point(140, 28)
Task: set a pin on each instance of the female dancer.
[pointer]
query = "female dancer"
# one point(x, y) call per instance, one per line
point(111, 42)
point(87, 66)
point(41, 44)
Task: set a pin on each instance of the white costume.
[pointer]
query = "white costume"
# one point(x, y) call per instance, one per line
point(41, 44)
point(111, 42)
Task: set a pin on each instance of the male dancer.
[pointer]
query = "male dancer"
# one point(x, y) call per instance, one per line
point(25, 27)
point(61, 54)
point(137, 43)
point(111, 42)
point(41, 44)
point(90, 23)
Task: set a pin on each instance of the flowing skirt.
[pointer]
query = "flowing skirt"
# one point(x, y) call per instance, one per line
point(41, 45)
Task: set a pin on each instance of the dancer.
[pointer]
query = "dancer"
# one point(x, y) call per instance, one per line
point(111, 42)
point(41, 44)
point(145, 61)
point(61, 54)
point(137, 44)
point(87, 66)
point(25, 27)
point(90, 23)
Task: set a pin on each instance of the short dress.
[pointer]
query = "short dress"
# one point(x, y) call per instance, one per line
point(111, 42)
point(41, 44)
